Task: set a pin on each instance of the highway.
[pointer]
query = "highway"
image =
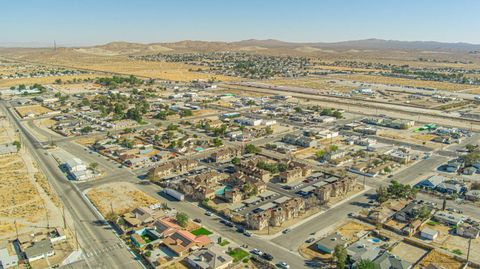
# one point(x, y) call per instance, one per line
point(101, 247)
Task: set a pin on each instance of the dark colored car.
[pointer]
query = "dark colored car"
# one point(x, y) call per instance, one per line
point(267, 256)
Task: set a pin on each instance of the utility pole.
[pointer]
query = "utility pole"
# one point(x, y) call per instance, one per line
point(111, 208)
point(16, 228)
point(468, 251)
point(46, 215)
point(63, 216)
point(75, 234)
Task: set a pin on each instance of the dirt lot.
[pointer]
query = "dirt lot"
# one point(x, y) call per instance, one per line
point(407, 82)
point(75, 88)
point(42, 80)
point(409, 253)
point(36, 109)
point(440, 260)
point(353, 230)
point(119, 64)
point(121, 197)
point(454, 243)
point(313, 83)
point(25, 194)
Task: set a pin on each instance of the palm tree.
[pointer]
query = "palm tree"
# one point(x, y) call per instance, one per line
point(366, 264)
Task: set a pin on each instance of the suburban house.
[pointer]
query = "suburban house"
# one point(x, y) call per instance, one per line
point(301, 141)
point(363, 249)
point(8, 148)
point(327, 244)
point(8, 256)
point(429, 234)
point(472, 195)
point(431, 182)
point(39, 250)
point(389, 261)
point(209, 258)
point(447, 218)
point(181, 242)
point(468, 231)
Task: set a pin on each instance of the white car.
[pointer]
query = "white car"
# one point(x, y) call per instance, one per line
point(257, 252)
point(283, 265)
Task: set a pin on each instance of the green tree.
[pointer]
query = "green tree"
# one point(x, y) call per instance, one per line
point(93, 166)
point(320, 154)
point(217, 142)
point(269, 130)
point(251, 149)
point(282, 167)
point(341, 255)
point(333, 148)
point(236, 161)
point(86, 130)
point(182, 219)
point(423, 212)
point(18, 144)
point(337, 114)
point(366, 264)
point(382, 194)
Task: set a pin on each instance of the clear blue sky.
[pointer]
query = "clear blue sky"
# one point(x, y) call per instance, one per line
point(86, 22)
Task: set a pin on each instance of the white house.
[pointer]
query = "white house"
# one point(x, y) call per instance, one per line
point(8, 259)
point(75, 165)
point(429, 234)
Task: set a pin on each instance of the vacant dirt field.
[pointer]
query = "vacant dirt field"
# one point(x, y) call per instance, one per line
point(36, 109)
point(43, 80)
point(406, 82)
point(353, 230)
point(121, 197)
point(26, 205)
point(25, 194)
point(119, 64)
point(440, 260)
point(313, 83)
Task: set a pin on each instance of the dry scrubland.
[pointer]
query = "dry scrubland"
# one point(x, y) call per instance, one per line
point(312, 83)
point(25, 194)
point(405, 82)
point(115, 64)
point(122, 197)
point(36, 109)
point(43, 80)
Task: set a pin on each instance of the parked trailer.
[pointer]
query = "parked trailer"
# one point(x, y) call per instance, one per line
point(175, 194)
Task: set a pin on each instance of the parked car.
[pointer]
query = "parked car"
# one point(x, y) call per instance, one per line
point(256, 252)
point(310, 240)
point(197, 220)
point(283, 265)
point(267, 256)
point(286, 231)
point(208, 213)
point(247, 233)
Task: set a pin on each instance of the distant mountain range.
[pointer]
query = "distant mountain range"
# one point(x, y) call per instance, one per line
point(125, 48)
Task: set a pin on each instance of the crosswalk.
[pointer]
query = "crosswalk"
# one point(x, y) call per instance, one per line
point(107, 249)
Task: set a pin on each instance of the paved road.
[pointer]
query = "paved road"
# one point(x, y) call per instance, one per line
point(101, 247)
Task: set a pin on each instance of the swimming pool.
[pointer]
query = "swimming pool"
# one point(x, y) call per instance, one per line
point(374, 240)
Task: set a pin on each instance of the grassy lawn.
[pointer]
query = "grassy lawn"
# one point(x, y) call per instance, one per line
point(224, 243)
point(146, 238)
point(238, 254)
point(201, 231)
